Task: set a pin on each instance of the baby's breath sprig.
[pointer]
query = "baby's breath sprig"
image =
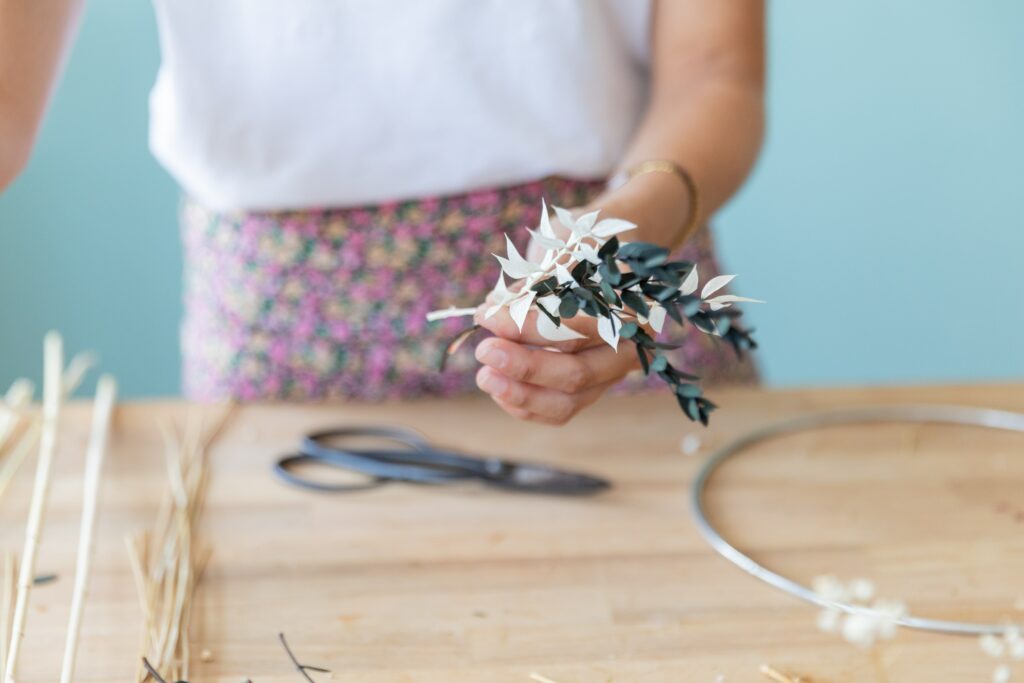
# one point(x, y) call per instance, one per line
point(1007, 648)
point(876, 619)
point(629, 287)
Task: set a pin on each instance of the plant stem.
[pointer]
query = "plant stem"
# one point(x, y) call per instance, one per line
point(106, 392)
point(53, 362)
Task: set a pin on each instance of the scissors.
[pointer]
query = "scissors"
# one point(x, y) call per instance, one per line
point(408, 457)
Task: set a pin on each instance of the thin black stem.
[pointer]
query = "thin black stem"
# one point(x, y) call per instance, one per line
point(153, 672)
point(301, 668)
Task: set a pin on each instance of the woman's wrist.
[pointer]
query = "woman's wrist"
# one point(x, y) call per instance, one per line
point(659, 203)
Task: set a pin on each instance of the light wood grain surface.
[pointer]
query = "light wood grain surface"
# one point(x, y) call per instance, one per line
point(468, 584)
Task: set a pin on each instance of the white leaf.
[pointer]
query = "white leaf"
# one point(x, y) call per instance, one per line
point(545, 241)
point(551, 332)
point(515, 266)
point(612, 226)
point(520, 307)
point(715, 284)
point(609, 329)
point(545, 263)
point(500, 288)
point(565, 217)
point(689, 285)
point(492, 310)
point(726, 300)
point(657, 318)
point(586, 222)
point(563, 275)
point(514, 271)
point(585, 252)
point(545, 221)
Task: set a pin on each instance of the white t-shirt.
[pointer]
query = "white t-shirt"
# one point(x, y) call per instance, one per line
point(278, 104)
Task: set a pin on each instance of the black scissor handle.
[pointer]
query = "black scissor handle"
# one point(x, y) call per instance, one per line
point(283, 469)
point(415, 462)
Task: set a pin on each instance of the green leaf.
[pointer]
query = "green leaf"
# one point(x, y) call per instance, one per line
point(582, 271)
point(643, 359)
point(659, 363)
point(609, 248)
point(636, 302)
point(552, 318)
point(633, 250)
point(609, 294)
point(630, 280)
point(629, 330)
point(688, 390)
point(673, 312)
point(610, 272)
point(689, 407)
point(570, 305)
point(690, 305)
point(583, 293)
point(704, 324)
point(657, 258)
point(546, 286)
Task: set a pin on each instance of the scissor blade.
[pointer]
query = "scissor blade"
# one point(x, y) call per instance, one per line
point(543, 479)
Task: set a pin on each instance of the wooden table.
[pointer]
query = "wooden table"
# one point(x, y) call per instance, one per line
point(466, 584)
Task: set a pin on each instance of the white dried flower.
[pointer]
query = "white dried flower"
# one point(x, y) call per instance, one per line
point(690, 444)
point(829, 620)
point(830, 588)
point(1008, 646)
point(878, 620)
point(992, 645)
point(862, 590)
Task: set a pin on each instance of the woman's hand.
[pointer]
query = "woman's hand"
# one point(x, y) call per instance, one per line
point(535, 379)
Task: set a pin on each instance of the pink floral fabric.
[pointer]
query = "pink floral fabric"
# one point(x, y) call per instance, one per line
point(317, 304)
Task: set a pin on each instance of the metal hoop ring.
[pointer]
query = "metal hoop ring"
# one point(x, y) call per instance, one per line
point(959, 415)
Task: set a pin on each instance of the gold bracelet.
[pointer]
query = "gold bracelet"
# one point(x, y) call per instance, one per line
point(674, 169)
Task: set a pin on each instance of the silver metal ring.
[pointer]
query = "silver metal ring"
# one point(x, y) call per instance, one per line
point(961, 415)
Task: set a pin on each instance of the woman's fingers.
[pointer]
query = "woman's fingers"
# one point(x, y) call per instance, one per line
point(530, 402)
point(567, 372)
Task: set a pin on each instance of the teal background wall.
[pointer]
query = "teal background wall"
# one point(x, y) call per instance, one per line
point(884, 223)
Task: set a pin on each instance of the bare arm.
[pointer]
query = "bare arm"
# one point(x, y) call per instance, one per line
point(706, 111)
point(34, 38)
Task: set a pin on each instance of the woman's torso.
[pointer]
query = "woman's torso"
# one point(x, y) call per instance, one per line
point(264, 104)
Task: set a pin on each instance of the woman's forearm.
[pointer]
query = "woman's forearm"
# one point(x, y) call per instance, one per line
point(34, 37)
point(706, 113)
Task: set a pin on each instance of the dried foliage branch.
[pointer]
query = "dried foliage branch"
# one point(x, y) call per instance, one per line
point(53, 391)
point(22, 447)
point(168, 561)
point(15, 401)
point(106, 393)
point(629, 288)
point(7, 604)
